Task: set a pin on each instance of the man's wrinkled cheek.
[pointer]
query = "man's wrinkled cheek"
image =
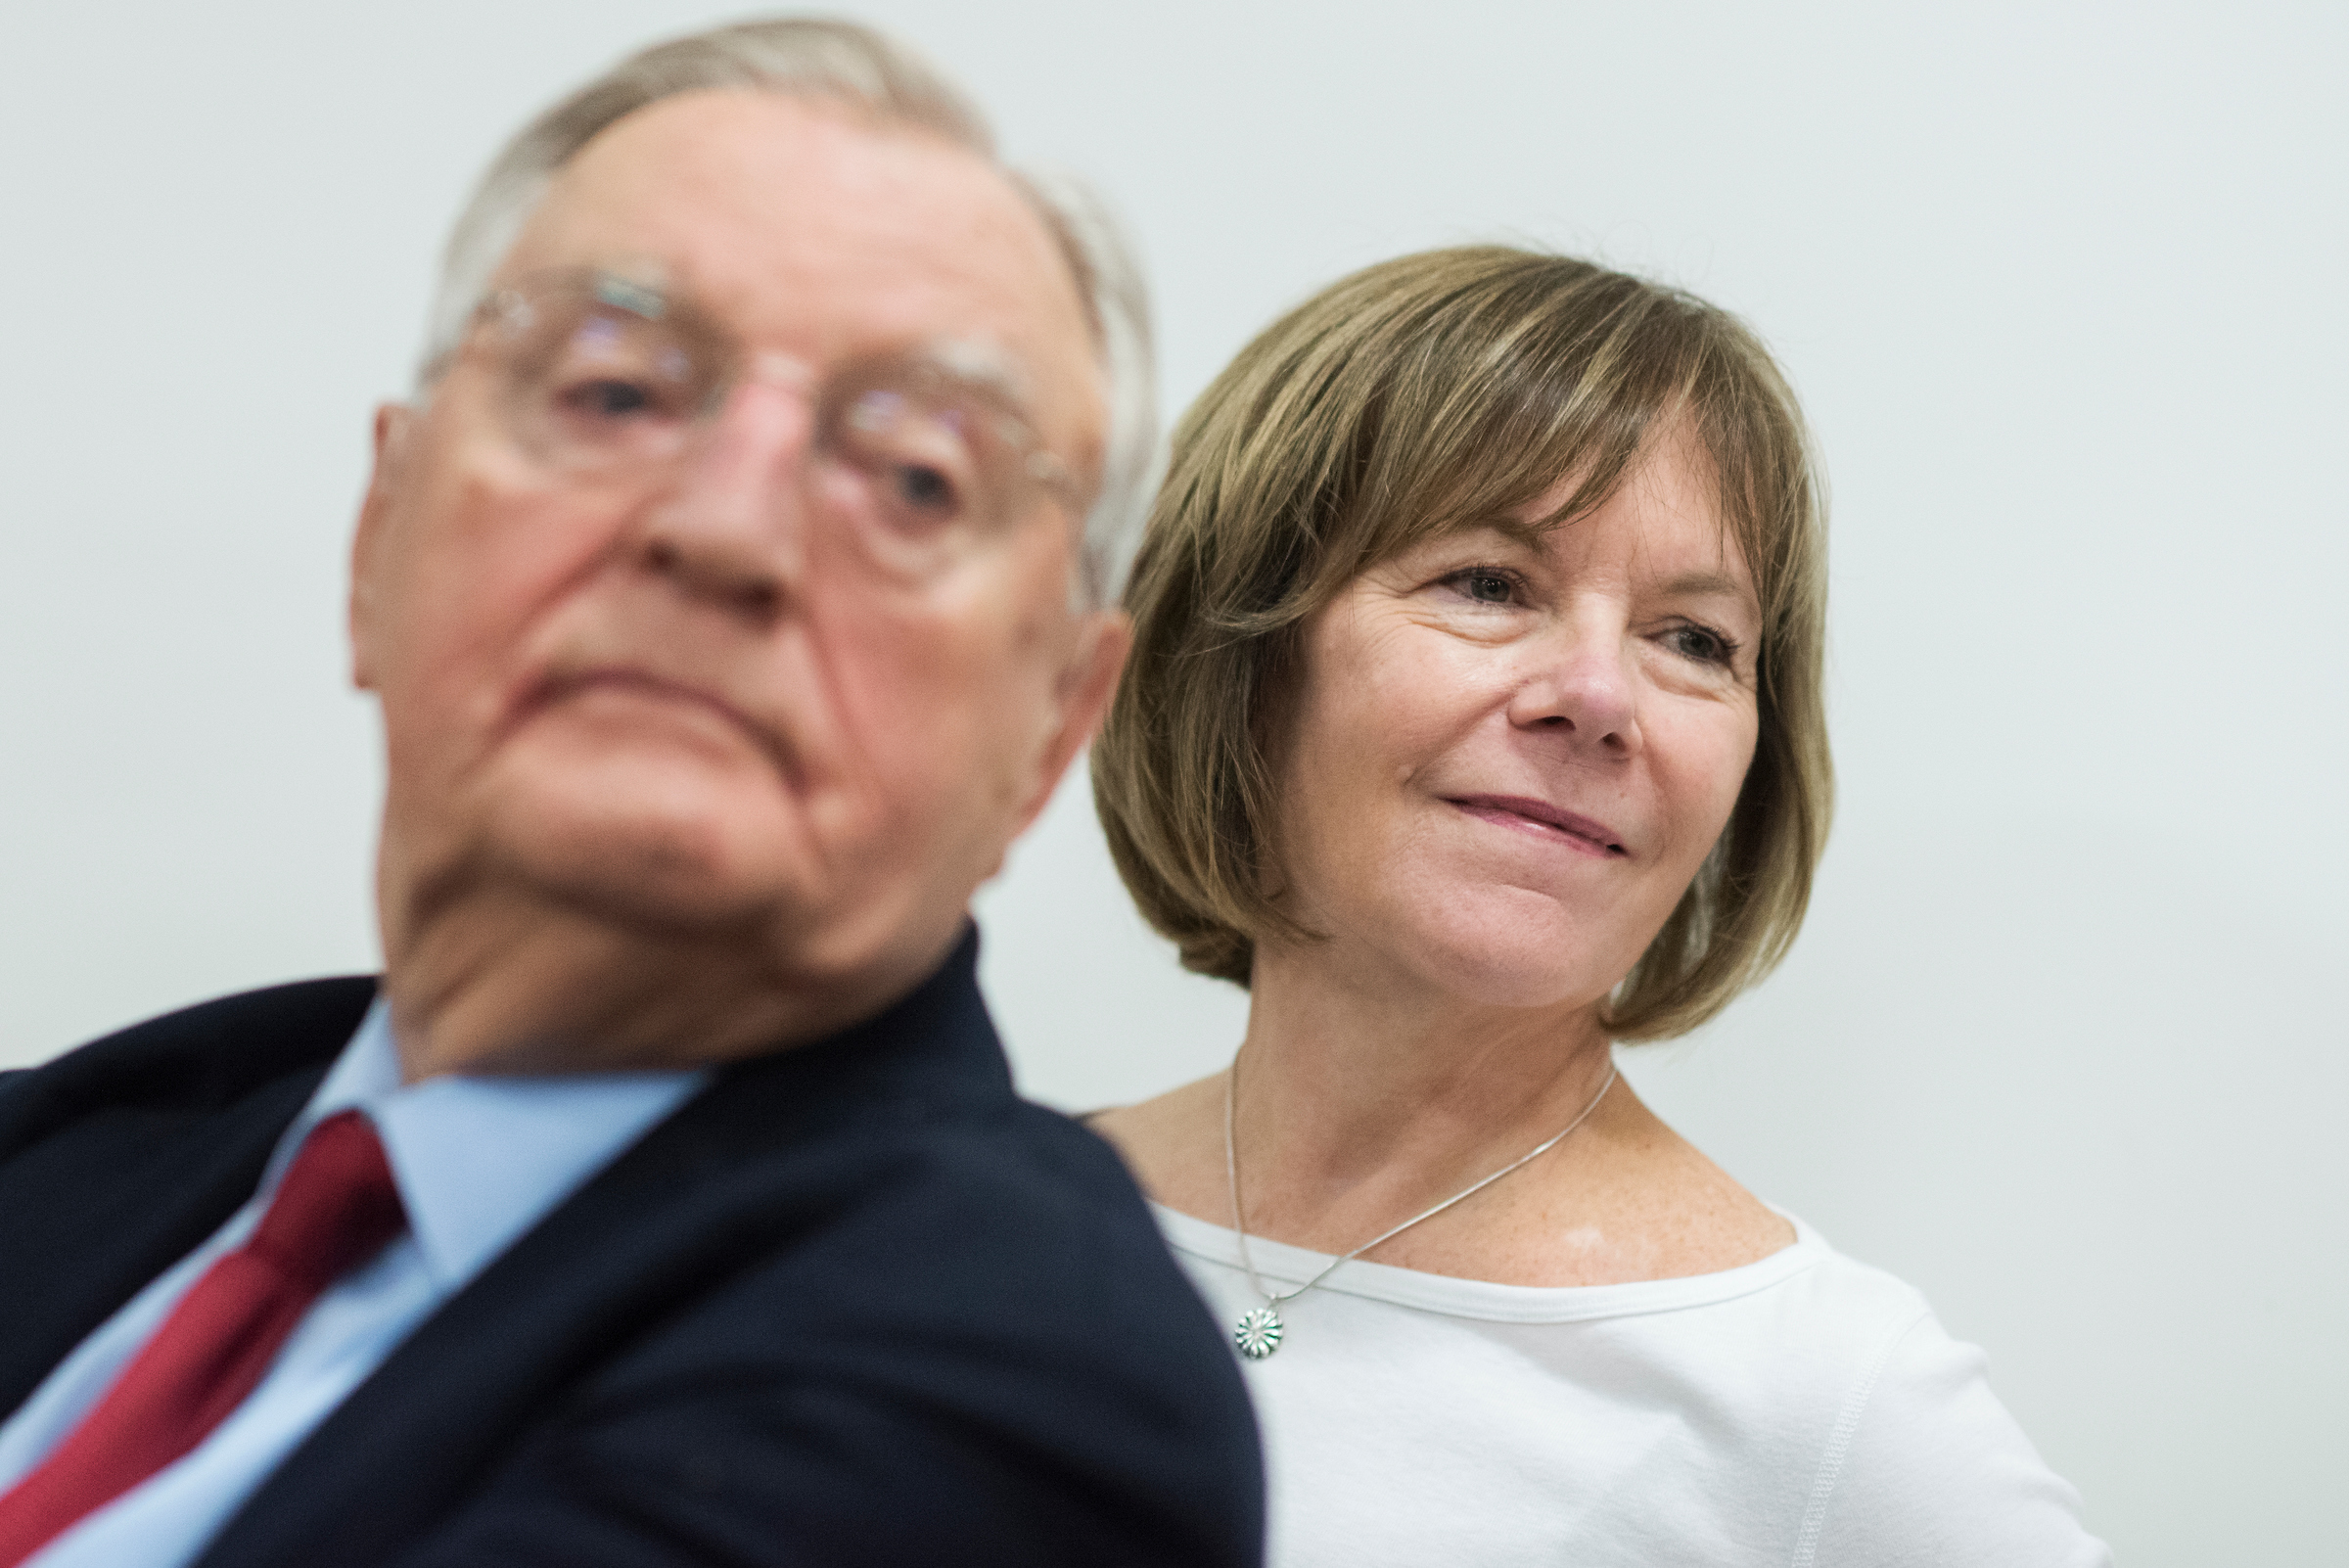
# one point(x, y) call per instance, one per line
point(937, 720)
point(498, 555)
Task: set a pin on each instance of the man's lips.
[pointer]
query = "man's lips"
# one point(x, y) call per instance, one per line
point(1530, 815)
point(558, 687)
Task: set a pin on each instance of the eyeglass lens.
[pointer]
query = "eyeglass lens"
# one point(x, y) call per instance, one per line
point(607, 383)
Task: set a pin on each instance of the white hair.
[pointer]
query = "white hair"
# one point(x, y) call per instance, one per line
point(845, 63)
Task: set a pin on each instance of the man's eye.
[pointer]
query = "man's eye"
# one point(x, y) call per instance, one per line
point(606, 399)
point(923, 489)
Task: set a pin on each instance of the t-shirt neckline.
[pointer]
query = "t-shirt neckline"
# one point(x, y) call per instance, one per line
point(1487, 1298)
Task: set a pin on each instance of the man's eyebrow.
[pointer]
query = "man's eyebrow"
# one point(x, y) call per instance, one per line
point(979, 367)
point(644, 289)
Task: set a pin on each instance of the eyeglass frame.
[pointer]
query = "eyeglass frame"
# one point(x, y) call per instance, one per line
point(974, 371)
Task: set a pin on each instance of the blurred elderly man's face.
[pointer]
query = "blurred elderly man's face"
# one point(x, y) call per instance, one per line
point(700, 685)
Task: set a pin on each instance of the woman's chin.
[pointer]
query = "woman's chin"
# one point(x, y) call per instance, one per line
point(1518, 969)
point(1507, 948)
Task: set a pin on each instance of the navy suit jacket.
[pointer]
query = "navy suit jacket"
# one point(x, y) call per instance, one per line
point(853, 1302)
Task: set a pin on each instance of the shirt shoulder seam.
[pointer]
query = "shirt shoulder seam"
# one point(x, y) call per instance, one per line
point(1839, 1443)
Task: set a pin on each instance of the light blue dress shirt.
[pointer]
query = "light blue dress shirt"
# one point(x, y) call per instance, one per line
point(478, 1161)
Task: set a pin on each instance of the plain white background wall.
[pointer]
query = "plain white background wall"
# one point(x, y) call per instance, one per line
point(2061, 285)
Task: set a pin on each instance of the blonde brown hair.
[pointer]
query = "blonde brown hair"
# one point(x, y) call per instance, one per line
point(1416, 396)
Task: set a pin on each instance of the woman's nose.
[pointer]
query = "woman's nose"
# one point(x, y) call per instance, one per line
point(731, 526)
point(1581, 684)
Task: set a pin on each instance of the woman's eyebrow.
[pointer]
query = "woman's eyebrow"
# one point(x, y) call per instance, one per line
point(1707, 585)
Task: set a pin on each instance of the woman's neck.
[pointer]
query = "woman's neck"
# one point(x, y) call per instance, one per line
point(1364, 1097)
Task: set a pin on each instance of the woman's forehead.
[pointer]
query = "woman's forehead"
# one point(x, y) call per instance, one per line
point(1663, 519)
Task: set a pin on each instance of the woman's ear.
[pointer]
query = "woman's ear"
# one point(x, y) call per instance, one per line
point(392, 425)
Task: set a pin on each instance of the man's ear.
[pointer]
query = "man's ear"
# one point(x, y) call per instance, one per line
point(392, 422)
point(1088, 682)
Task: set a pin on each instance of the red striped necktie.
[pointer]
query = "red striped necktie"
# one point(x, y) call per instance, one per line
point(335, 1209)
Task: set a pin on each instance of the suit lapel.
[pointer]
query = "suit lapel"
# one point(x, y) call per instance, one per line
point(118, 1159)
point(82, 1234)
point(722, 1185)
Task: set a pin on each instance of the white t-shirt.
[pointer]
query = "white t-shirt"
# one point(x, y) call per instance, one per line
point(1804, 1410)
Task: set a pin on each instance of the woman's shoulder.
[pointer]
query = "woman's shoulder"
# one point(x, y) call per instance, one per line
point(1892, 1430)
point(1921, 1449)
point(1851, 1308)
point(1881, 1422)
point(1836, 1327)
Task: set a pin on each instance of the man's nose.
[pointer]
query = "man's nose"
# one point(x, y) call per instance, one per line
point(730, 528)
point(1582, 682)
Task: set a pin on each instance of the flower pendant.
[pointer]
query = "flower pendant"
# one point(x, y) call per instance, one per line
point(1257, 1334)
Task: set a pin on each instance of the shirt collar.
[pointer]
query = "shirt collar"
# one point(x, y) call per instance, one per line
point(480, 1159)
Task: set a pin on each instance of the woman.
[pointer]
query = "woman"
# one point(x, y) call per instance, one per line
point(1474, 724)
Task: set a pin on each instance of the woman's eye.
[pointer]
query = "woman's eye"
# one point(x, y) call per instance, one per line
point(1701, 644)
point(1486, 587)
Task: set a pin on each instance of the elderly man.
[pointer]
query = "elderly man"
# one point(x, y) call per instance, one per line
point(733, 591)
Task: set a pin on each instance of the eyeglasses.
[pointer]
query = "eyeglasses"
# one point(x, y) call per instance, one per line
point(611, 383)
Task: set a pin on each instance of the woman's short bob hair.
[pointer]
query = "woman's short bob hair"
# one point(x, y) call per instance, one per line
point(1420, 395)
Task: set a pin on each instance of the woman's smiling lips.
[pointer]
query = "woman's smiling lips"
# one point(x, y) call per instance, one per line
point(1526, 815)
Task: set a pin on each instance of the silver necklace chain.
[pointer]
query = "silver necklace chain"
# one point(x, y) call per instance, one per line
point(1258, 1333)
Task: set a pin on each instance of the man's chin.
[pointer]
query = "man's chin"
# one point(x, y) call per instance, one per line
point(641, 870)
